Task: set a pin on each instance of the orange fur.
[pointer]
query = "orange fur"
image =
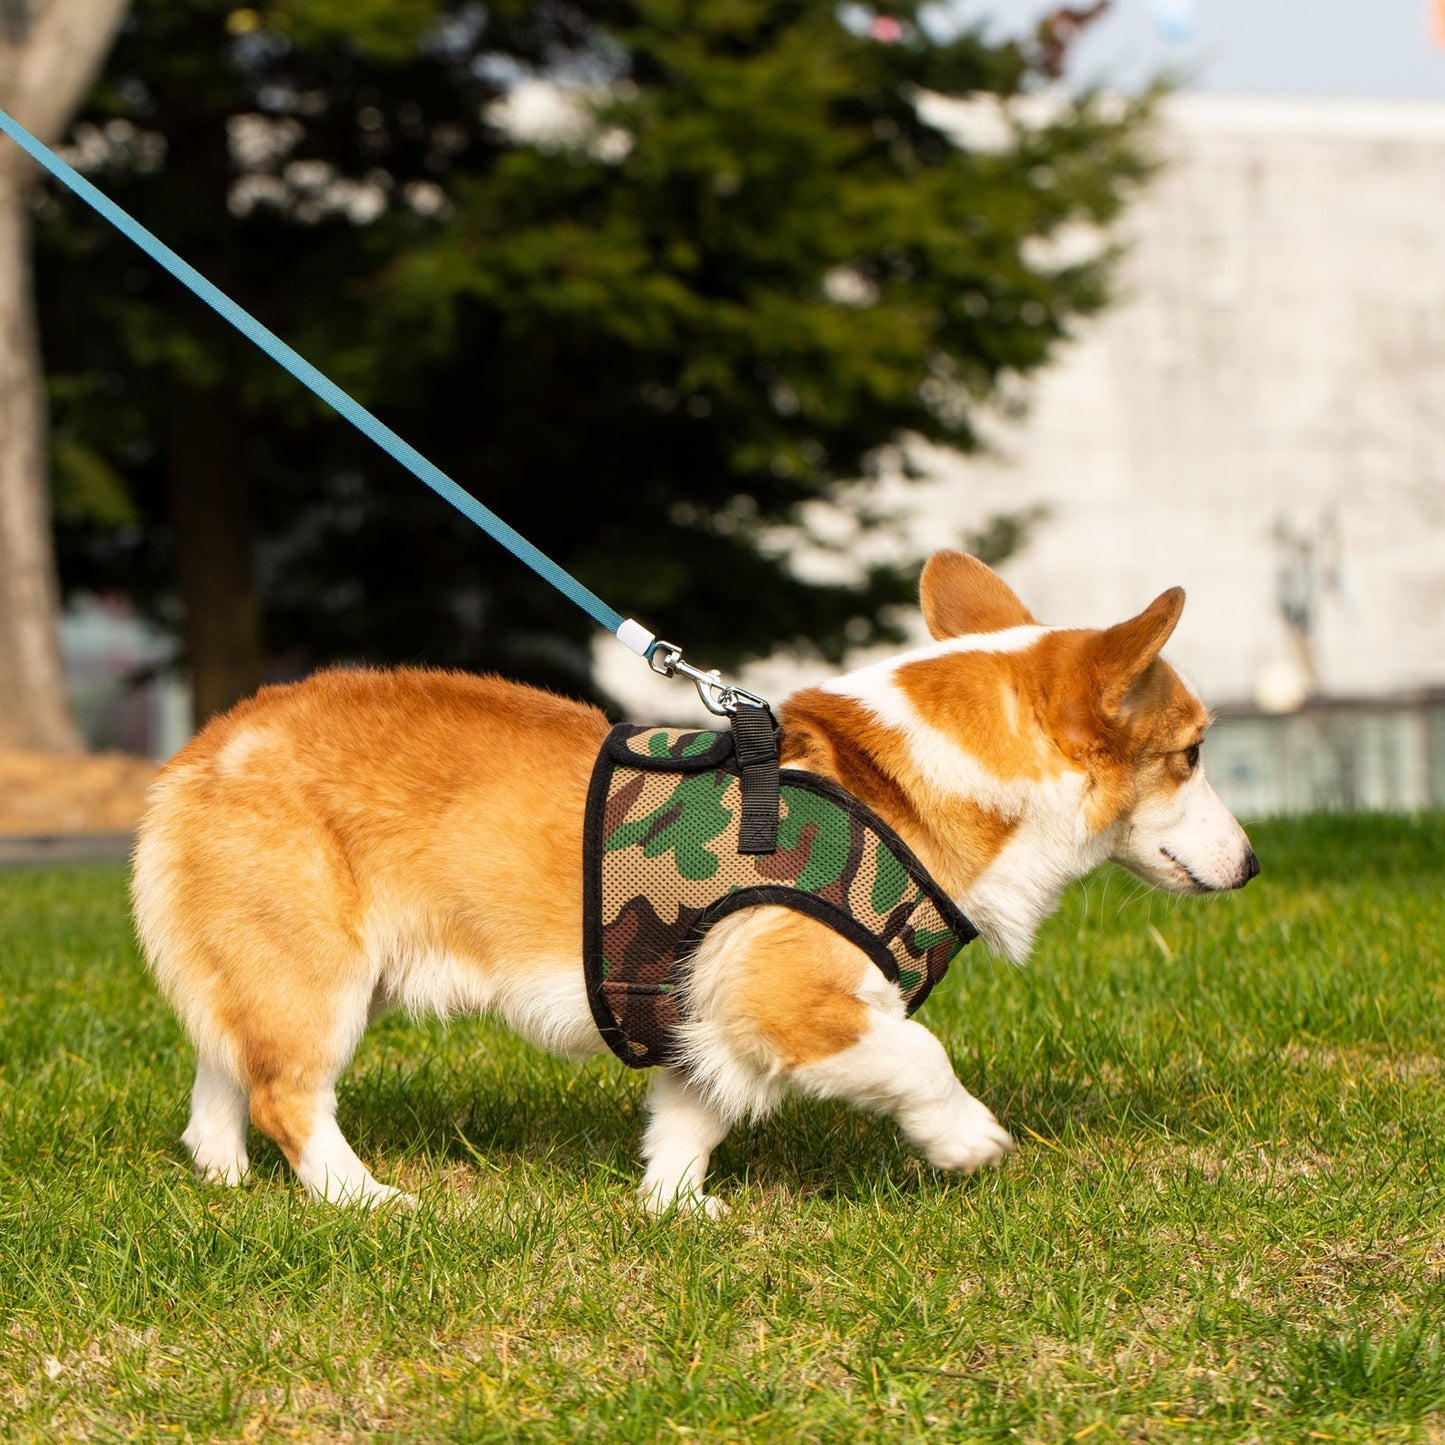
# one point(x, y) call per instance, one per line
point(960, 595)
point(1118, 712)
point(821, 1014)
point(955, 839)
point(836, 738)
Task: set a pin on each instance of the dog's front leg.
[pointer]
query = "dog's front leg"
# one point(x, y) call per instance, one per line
point(897, 1067)
point(682, 1132)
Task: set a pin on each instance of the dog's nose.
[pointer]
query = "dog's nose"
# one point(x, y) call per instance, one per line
point(1251, 867)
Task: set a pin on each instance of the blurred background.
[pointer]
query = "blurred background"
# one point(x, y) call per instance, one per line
point(737, 308)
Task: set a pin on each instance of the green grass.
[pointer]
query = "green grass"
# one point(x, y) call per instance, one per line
point(1225, 1220)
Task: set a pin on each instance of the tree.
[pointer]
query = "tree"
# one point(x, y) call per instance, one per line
point(739, 261)
point(50, 51)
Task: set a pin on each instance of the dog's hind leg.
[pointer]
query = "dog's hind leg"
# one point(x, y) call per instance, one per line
point(897, 1067)
point(682, 1132)
point(302, 1120)
point(299, 1113)
point(293, 1060)
point(216, 1133)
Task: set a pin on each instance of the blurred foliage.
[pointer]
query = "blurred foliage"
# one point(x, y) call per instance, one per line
point(736, 267)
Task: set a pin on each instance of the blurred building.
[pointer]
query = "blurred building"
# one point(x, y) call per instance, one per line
point(1334, 754)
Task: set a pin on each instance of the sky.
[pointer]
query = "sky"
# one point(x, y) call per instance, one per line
point(1362, 48)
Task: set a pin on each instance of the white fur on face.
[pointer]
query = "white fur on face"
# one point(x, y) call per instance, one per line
point(1186, 841)
point(1051, 847)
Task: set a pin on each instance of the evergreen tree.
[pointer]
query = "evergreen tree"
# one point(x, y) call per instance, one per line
point(739, 259)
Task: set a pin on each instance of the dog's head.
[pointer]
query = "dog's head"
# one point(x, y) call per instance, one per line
point(1116, 713)
point(1020, 756)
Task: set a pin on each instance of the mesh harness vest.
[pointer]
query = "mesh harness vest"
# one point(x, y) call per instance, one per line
point(663, 861)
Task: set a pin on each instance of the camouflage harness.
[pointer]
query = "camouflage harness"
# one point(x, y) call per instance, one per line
point(663, 862)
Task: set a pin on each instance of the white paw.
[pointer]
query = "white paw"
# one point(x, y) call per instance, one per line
point(366, 1193)
point(231, 1173)
point(392, 1199)
point(215, 1161)
point(974, 1138)
point(658, 1199)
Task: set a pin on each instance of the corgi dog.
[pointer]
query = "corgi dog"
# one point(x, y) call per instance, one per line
point(366, 840)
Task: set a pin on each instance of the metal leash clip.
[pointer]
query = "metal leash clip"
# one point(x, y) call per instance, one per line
point(718, 697)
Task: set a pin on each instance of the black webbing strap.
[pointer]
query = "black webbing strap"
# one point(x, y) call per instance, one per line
point(755, 744)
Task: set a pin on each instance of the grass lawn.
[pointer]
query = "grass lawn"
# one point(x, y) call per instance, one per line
point(1225, 1220)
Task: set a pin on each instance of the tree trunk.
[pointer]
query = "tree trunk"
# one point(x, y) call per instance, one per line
point(34, 710)
point(211, 503)
point(49, 55)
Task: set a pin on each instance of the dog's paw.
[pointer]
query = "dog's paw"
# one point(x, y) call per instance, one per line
point(657, 1200)
point(393, 1199)
point(366, 1193)
point(218, 1155)
point(230, 1173)
point(974, 1139)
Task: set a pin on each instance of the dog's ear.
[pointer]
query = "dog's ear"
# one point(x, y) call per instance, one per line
point(961, 595)
point(1123, 652)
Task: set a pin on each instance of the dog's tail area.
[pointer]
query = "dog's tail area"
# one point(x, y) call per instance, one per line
point(174, 953)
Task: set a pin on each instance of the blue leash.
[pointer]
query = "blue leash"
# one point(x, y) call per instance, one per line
point(662, 657)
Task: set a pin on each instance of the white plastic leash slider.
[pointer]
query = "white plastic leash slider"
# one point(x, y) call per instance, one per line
point(635, 637)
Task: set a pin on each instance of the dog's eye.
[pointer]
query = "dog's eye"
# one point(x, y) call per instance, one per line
point(1191, 756)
